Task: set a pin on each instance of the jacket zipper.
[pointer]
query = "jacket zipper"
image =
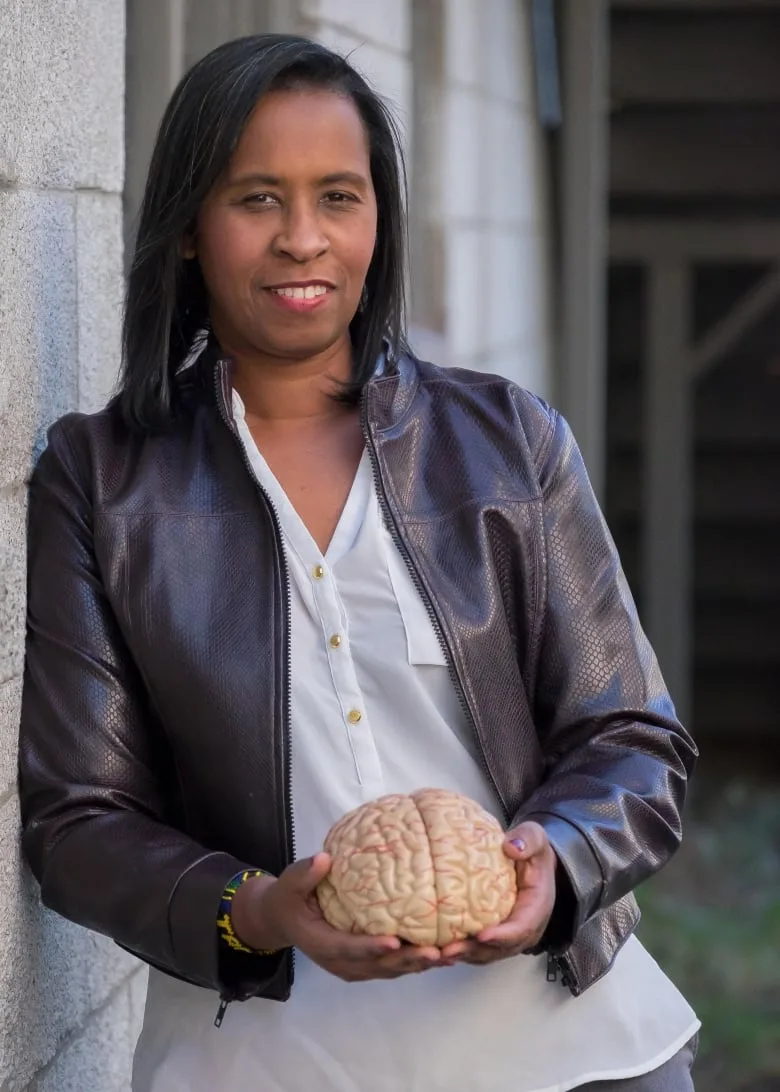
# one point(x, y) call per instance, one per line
point(392, 525)
point(227, 996)
point(562, 964)
point(554, 963)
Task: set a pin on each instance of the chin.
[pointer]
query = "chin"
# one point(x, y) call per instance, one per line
point(303, 345)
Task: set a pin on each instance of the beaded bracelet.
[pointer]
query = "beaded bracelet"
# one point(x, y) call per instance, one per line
point(225, 929)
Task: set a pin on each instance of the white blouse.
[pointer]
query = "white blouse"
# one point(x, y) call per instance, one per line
point(450, 1029)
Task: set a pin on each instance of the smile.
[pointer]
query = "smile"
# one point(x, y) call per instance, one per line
point(310, 292)
point(301, 298)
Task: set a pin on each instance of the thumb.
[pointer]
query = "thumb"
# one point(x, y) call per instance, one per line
point(525, 841)
point(306, 874)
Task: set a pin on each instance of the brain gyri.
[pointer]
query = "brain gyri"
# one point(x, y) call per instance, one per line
point(428, 868)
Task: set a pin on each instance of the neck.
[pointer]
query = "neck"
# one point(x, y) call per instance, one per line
point(276, 389)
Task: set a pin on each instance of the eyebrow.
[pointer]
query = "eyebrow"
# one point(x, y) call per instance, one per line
point(351, 178)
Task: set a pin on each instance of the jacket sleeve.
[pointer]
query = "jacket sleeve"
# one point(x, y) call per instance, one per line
point(97, 829)
point(617, 758)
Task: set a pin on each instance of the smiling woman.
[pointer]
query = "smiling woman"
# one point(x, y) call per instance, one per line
point(289, 231)
point(276, 166)
point(291, 569)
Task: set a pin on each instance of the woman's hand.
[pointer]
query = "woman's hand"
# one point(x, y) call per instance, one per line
point(536, 863)
point(273, 913)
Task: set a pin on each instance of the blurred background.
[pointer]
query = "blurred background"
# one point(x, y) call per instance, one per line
point(594, 191)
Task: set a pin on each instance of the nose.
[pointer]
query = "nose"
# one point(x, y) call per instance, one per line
point(301, 236)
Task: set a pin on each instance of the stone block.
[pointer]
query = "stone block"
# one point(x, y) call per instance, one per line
point(515, 270)
point(388, 73)
point(527, 365)
point(508, 73)
point(38, 374)
point(53, 974)
point(137, 986)
point(100, 281)
point(62, 75)
point(465, 180)
point(507, 306)
point(463, 41)
point(10, 706)
point(386, 23)
point(514, 152)
point(465, 292)
point(13, 580)
point(100, 1057)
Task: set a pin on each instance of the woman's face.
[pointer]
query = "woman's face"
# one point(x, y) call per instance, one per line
point(285, 239)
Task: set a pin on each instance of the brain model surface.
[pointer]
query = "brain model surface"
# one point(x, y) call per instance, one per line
point(428, 868)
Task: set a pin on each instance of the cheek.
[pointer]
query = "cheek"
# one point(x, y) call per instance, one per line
point(227, 250)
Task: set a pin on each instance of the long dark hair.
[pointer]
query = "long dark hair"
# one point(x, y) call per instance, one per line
point(166, 303)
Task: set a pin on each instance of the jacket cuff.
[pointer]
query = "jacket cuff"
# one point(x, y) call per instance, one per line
point(193, 910)
point(199, 954)
point(579, 882)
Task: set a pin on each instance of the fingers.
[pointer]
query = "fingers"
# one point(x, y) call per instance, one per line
point(322, 941)
point(409, 959)
point(512, 936)
point(525, 841)
point(456, 949)
point(476, 953)
point(523, 928)
point(303, 876)
point(476, 950)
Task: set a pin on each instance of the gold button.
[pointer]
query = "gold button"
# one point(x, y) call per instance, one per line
point(354, 716)
point(335, 641)
point(318, 572)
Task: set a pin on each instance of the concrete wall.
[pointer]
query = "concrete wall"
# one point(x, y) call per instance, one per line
point(489, 186)
point(69, 1001)
point(497, 226)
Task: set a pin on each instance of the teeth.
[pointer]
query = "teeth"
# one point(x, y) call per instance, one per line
point(307, 293)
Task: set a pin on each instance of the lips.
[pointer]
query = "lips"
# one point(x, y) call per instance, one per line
point(300, 292)
point(301, 297)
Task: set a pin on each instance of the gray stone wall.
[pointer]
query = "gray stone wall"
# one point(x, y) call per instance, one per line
point(70, 1002)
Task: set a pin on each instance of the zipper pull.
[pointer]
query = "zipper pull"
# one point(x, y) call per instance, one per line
point(552, 969)
point(223, 1004)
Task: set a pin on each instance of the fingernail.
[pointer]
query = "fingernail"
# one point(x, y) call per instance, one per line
point(519, 843)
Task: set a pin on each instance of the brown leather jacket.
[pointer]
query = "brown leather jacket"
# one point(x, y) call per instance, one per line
point(155, 758)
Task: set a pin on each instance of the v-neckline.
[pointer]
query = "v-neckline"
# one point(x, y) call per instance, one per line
point(294, 528)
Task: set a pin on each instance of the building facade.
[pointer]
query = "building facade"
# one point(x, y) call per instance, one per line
point(83, 85)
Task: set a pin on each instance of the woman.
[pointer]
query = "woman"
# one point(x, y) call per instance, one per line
point(291, 568)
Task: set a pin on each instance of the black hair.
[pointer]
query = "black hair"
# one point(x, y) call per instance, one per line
point(166, 302)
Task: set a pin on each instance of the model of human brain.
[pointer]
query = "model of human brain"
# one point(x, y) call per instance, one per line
point(428, 868)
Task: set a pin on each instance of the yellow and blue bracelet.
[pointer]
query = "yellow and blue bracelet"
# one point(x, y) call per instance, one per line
point(225, 929)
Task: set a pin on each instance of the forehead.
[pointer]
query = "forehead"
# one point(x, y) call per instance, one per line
point(296, 131)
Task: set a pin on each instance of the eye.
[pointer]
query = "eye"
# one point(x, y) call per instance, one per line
point(259, 200)
point(339, 197)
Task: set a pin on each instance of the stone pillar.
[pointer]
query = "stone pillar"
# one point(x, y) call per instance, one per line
point(495, 212)
point(69, 1001)
point(155, 52)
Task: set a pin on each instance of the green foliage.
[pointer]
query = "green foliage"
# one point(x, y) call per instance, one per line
point(712, 920)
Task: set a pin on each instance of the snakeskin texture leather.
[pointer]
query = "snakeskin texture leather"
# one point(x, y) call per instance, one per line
point(154, 736)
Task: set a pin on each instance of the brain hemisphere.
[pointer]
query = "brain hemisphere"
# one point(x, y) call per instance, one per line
point(428, 868)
